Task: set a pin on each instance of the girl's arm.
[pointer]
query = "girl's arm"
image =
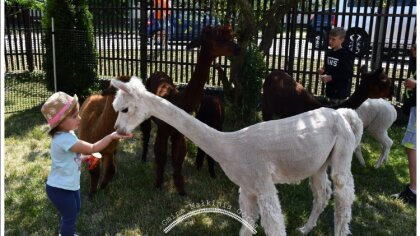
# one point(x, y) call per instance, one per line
point(89, 148)
point(410, 83)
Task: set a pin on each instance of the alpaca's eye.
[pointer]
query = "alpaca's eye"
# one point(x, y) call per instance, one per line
point(125, 110)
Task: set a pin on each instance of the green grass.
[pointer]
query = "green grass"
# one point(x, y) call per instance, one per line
point(131, 206)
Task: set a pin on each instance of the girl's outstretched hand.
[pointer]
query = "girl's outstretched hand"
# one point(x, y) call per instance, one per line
point(410, 83)
point(116, 135)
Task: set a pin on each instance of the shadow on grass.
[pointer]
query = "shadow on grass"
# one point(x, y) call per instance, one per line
point(20, 123)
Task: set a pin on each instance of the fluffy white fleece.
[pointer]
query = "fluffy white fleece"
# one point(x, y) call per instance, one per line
point(377, 115)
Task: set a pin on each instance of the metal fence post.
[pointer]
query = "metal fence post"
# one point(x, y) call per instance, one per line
point(53, 49)
point(143, 39)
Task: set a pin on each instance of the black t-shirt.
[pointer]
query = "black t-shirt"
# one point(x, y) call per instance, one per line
point(339, 64)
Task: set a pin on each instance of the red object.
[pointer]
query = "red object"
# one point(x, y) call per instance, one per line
point(92, 162)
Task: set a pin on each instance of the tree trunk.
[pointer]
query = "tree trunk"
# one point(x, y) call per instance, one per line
point(247, 31)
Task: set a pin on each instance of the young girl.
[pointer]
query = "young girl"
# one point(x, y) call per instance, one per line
point(63, 184)
point(409, 194)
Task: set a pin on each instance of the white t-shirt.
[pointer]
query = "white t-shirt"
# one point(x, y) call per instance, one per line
point(65, 164)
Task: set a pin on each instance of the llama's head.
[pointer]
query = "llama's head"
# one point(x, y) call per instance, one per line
point(111, 90)
point(129, 103)
point(377, 84)
point(217, 41)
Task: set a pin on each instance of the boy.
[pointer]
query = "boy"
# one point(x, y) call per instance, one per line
point(338, 69)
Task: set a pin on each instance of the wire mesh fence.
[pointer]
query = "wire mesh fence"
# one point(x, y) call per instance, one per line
point(298, 47)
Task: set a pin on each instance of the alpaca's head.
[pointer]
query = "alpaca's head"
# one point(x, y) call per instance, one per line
point(376, 83)
point(129, 103)
point(217, 41)
point(111, 90)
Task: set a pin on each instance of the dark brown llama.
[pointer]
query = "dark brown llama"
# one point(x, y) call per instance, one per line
point(97, 120)
point(213, 42)
point(212, 113)
point(284, 97)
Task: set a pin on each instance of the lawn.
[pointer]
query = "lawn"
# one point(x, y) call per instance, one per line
point(131, 206)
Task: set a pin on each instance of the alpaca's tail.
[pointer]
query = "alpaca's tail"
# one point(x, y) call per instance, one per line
point(355, 123)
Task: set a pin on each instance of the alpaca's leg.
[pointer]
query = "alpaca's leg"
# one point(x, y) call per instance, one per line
point(109, 169)
point(160, 148)
point(199, 159)
point(359, 155)
point(272, 219)
point(249, 209)
point(211, 162)
point(145, 127)
point(94, 179)
point(179, 150)
point(321, 190)
point(386, 143)
point(343, 187)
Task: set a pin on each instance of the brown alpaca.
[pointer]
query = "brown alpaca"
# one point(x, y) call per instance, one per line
point(284, 97)
point(212, 113)
point(97, 120)
point(213, 42)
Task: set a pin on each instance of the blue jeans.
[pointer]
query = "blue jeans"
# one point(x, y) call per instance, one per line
point(67, 203)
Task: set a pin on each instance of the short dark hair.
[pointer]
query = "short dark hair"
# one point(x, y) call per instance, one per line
point(338, 32)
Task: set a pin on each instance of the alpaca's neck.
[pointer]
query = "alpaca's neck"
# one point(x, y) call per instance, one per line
point(313, 104)
point(355, 100)
point(201, 134)
point(193, 93)
point(109, 115)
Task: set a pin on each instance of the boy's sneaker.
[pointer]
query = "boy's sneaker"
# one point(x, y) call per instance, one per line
point(407, 196)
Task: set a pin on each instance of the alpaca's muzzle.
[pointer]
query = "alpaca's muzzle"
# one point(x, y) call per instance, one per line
point(120, 130)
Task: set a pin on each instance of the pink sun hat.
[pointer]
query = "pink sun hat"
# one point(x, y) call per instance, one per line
point(57, 107)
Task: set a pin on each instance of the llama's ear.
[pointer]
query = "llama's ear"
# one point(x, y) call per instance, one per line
point(120, 85)
point(195, 43)
point(137, 83)
point(379, 71)
point(363, 70)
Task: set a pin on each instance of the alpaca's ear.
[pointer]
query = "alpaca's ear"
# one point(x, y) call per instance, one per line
point(363, 70)
point(120, 85)
point(195, 43)
point(137, 83)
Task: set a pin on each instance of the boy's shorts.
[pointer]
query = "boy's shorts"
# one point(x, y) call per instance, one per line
point(409, 140)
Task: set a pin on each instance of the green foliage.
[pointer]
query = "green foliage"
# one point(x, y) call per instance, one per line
point(248, 95)
point(76, 57)
point(32, 4)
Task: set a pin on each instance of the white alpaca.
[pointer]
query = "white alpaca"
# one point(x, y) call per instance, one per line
point(377, 116)
point(262, 155)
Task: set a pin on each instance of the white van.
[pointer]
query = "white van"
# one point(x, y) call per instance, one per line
point(365, 24)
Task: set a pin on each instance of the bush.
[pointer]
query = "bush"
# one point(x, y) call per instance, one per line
point(248, 96)
point(76, 58)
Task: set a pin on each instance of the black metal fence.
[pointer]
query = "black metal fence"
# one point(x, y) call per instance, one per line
point(380, 33)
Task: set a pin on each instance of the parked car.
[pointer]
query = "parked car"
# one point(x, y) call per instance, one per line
point(183, 25)
point(319, 26)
